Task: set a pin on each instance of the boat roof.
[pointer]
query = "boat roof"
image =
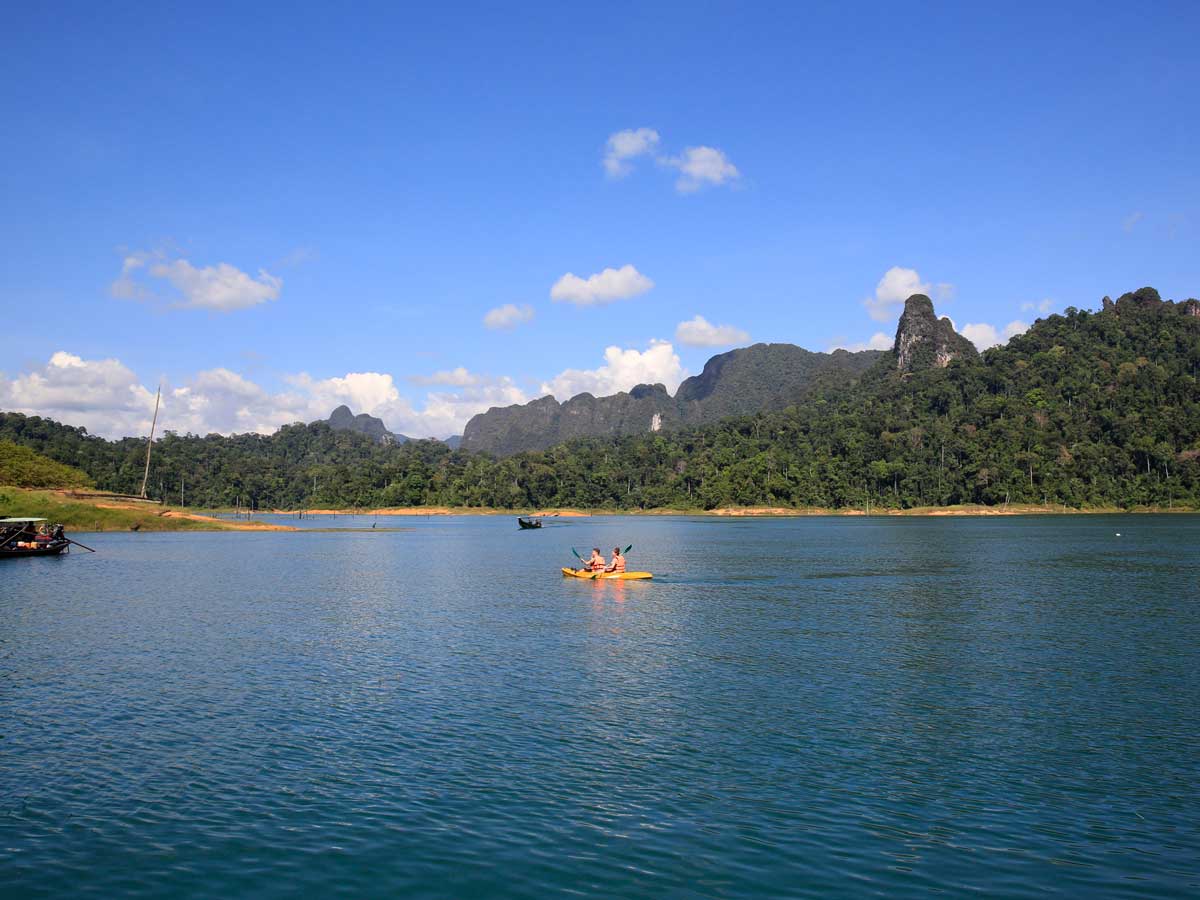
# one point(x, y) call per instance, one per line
point(18, 521)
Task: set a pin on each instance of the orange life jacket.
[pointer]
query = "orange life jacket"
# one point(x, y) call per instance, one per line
point(597, 563)
point(618, 562)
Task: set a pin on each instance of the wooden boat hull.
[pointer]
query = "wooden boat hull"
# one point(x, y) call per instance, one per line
point(49, 550)
point(606, 576)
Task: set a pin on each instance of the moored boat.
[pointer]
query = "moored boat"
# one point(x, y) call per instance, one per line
point(31, 537)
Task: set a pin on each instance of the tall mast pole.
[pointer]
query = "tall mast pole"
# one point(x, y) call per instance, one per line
point(150, 442)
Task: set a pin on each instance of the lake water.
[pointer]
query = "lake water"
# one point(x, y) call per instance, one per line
point(803, 707)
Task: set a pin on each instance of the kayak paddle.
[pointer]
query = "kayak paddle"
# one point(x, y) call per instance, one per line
point(584, 561)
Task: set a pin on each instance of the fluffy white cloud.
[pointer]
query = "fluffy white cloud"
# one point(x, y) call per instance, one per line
point(459, 377)
point(983, 335)
point(625, 145)
point(622, 369)
point(102, 395)
point(107, 398)
point(1042, 307)
point(221, 288)
point(877, 341)
point(508, 316)
point(896, 286)
point(445, 414)
point(603, 287)
point(700, 167)
point(699, 332)
point(361, 391)
point(221, 401)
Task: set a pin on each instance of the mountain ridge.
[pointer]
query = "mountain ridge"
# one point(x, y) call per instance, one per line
point(1087, 409)
point(737, 382)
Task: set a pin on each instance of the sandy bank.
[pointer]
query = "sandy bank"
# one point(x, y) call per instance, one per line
point(434, 511)
point(230, 525)
point(224, 524)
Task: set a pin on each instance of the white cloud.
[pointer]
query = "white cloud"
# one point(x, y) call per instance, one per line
point(102, 395)
point(221, 288)
point(622, 369)
point(699, 332)
point(1131, 221)
point(508, 316)
point(126, 286)
point(896, 286)
point(1042, 307)
point(983, 335)
point(459, 377)
point(877, 341)
point(107, 398)
point(603, 287)
point(700, 167)
point(361, 391)
point(444, 412)
point(625, 145)
point(221, 401)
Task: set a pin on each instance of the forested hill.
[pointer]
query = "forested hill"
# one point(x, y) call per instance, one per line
point(1088, 408)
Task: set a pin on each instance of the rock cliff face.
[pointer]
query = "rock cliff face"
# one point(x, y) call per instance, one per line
point(763, 376)
point(923, 341)
point(342, 419)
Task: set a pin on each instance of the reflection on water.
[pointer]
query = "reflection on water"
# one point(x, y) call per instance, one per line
point(792, 707)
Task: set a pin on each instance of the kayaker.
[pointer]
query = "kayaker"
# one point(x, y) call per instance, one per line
point(596, 562)
point(618, 561)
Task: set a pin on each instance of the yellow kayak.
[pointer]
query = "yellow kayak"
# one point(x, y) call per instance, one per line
point(606, 576)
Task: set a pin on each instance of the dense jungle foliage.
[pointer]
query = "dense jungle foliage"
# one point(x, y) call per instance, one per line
point(21, 467)
point(1088, 408)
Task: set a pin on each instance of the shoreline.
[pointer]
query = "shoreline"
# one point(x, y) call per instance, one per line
point(101, 512)
point(763, 512)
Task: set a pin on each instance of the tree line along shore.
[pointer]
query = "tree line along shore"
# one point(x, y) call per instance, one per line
point(100, 513)
point(1088, 410)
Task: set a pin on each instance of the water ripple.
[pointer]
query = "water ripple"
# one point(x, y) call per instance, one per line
point(814, 707)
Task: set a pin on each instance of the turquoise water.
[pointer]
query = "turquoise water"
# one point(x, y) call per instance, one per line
point(807, 707)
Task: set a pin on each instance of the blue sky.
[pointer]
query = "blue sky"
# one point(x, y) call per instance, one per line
point(321, 204)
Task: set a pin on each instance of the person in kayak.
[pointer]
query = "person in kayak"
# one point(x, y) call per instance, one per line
point(618, 562)
point(596, 562)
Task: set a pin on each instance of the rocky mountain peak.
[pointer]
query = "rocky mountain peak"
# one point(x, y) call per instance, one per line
point(923, 341)
point(343, 419)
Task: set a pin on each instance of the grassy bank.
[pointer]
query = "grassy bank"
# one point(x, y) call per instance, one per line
point(107, 514)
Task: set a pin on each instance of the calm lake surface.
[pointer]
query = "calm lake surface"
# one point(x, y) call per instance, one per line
point(804, 707)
